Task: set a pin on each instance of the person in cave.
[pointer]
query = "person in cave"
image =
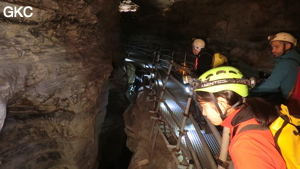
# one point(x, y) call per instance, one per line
point(206, 58)
point(278, 86)
point(225, 103)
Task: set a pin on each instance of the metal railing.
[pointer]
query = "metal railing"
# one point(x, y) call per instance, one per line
point(168, 122)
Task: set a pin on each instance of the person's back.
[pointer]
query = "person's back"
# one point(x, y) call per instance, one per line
point(204, 61)
point(252, 142)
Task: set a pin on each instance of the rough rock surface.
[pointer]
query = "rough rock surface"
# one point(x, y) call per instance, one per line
point(54, 72)
point(138, 130)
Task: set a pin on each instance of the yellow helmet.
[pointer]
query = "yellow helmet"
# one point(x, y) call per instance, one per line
point(198, 44)
point(283, 36)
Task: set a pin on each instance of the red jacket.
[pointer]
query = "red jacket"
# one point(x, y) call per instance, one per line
point(251, 149)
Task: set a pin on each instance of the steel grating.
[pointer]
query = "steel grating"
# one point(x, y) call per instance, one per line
point(192, 134)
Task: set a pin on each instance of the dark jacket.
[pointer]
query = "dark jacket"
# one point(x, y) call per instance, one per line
point(283, 77)
point(205, 59)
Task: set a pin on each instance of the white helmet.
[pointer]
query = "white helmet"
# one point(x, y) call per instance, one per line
point(198, 44)
point(283, 36)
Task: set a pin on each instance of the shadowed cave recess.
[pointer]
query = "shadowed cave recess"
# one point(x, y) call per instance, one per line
point(65, 84)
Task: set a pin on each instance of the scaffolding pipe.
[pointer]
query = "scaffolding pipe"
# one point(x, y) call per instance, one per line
point(168, 145)
point(214, 131)
point(205, 146)
point(186, 112)
point(184, 119)
point(155, 136)
point(188, 141)
point(152, 129)
point(224, 146)
point(156, 60)
point(172, 115)
point(173, 78)
point(207, 151)
point(175, 100)
point(164, 86)
point(185, 152)
point(191, 150)
point(180, 84)
point(182, 131)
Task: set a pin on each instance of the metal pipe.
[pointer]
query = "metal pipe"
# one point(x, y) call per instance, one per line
point(172, 130)
point(186, 111)
point(168, 145)
point(154, 141)
point(188, 141)
point(185, 152)
point(172, 115)
point(175, 100)
point(207, 151)
point(224, 146)
point(202, 139)
point(152, 129)
point(164, 86)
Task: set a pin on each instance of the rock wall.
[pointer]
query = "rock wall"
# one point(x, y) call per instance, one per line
point(54, 69)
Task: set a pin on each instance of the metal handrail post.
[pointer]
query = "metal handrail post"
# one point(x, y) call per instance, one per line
point(224, 146)
point(188, 141)
point(186, 114)
point(184, 120)
point(207, 151)
point(183, 132)
point(164, 86)
point(173, 153)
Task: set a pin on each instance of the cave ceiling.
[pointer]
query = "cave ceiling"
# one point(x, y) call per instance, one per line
point(153, 6)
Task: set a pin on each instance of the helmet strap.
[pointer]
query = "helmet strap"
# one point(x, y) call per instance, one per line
point(222, 115)
point(286, 50)
point(243, 100)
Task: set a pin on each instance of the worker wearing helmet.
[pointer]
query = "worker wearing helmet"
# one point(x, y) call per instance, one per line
point(221, 93)
point(284, 75)
point(206, 58)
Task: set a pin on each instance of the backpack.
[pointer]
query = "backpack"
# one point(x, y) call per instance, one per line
point(219, 60)
point(293, 101)
point(286, 132)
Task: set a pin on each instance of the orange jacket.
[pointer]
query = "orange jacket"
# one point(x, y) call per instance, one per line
point(252, 149)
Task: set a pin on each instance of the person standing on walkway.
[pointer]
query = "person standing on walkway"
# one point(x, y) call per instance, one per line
point(280, 83)
point(221, 93)
point(205, 58)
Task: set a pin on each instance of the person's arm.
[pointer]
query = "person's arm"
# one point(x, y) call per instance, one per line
point(274, 81)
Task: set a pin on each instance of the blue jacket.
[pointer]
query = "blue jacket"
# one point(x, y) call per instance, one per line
point(284, 75)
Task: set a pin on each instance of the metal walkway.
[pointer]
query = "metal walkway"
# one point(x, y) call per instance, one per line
point(172, 117)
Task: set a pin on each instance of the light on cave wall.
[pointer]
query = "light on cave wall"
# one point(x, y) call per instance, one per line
point(128, 6)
